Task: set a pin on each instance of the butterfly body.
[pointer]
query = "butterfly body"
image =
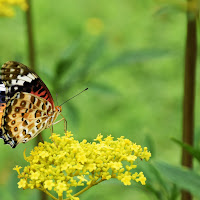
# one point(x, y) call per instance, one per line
point(26, 105)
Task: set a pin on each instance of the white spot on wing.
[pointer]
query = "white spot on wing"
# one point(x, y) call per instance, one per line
point(2, 87)
point(32, 76)
point(12, 70)
point(24, 78)
point(13, 82)
point(20, 82)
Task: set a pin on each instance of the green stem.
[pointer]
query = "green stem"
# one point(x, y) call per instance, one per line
point(48, 193)
point(60, 197)
point(86, 188)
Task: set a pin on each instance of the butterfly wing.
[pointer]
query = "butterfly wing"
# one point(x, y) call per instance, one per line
point(19, 78)
point(18, 123)
point(25, 116)
point(2, 99)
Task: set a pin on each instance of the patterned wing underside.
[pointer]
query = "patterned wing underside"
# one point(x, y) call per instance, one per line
point(25, 116)
point(2, 99)
point(18, 78)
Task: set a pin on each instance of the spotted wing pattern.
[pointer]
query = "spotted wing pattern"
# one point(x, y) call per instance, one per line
point(18, 78)
point(26, 115)
point(26, 105)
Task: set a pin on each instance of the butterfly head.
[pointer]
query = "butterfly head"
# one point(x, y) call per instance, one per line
point(58, 109)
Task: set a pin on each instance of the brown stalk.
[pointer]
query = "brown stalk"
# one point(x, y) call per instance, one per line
point(30, 37)
point(189, 92)
point(31, 56)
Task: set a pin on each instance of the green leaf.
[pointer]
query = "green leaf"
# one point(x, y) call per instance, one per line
point(197, 138)
point(193, 151)
point(163, 184)
point(91, 58)
point(182, 177)
point(94, 53)
point(82, 73)
point(150, 144)
point(156, 183)
point(13, 187)
point(67, 58)
point(165, 10)
point(133, 57)
point(174, 192)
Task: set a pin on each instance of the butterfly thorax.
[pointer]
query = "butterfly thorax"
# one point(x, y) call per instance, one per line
point(58, 109)
point(53, 115)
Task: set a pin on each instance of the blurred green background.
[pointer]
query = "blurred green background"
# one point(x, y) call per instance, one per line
point(130, 54)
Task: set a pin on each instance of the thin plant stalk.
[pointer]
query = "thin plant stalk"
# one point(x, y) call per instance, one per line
point(32, 57)
point(30, 36)
point(189, 92)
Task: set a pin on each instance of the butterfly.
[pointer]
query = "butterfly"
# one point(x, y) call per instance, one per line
point(26, 105)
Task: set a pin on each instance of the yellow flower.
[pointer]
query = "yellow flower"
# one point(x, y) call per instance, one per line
point(91, 167)
point(17, 168)
point(7, 7)
point(67, 163)
point(141, 178)
point(116, 165)
point(34, 175)
point(126, 178)
point(44, 154)
point(82, 178)
point(60, 188)
point(22, 183)
point(49, 184)
point(99, 138)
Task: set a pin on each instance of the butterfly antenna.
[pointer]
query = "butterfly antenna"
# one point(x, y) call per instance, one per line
point(56, 98)
point(74, 96)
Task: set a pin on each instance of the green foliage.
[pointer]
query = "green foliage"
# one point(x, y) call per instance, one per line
point(79, 66)
point(136, 56)
point(192, 150)
point(157, 185)
point(133, 73)
point(184, 178)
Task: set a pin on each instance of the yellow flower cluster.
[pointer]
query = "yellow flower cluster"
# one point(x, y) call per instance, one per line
point(6, 7)
point(67, 163)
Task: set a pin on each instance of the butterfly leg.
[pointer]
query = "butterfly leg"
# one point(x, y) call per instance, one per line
point(65, 123)
point(40, 135)
point(51, 129)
